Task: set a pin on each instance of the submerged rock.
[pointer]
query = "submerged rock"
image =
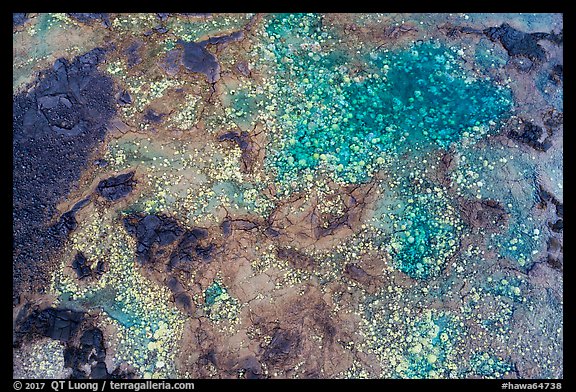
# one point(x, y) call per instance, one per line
point(115, 188)
point(197, 58)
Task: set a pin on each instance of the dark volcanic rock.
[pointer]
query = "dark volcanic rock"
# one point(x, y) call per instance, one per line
point(67, 221)
point(80, 265)
point(252, 368)
point(90, 351)
point(189, 249)
point(99, 371)
point(124, 98)
point(184, 302)
point(224, 39)
point(115, 188)
point(204, 252)
point(243, 224)
point(151, 230)
point(152, 117)
point(357, 273)
point(242, 139)
point(120, 374)
point(244, 68)
point(132, 54)
point(557, 74)
point(283, 345)
point(100, 267)
point(560, 210)
point(226, 227)
point(58, 324)
point(270, 232)
point(558, 226)
point(531, 136)
point(517, 43)
point(18, 19)
point(161, 29)
point(171, 62)
point(90, 18)
point(55, 127)
point(555, 253)
point(197, 58)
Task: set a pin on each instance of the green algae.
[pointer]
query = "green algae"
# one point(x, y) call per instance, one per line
point(344, 112)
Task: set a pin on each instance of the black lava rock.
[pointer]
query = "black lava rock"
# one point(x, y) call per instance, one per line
point(224, 39)
point(91, 350)
point(357, 273)
point(205, 252)
point(560, 209)
point(19, 18)
point(100, 267)
point(189, 249)
point(171, 62)
point(161, 29)
point(89, 18)
point(56, 125)
point(99, 371)
point(152, 117)
point(133, 55)
point(531, 135)
point(241, 139)
point(80, 265)
point(197, 58)
point(184, 302)
point(558, 226)
point(150, 230)
point(163, 16)
point(517, 43)
point(243, 68)
point(125, 98)
point(226, 227)
point(67, 221)
point(282, 346)
point(115, 188)
point(557, 74)
point(55, 323)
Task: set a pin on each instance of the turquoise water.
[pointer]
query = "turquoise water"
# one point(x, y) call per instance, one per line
point(427, 239)
point(344, 112)
point(212, 293)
